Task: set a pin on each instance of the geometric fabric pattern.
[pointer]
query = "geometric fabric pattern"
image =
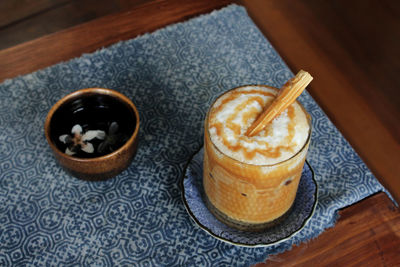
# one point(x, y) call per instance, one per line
point(138, 218)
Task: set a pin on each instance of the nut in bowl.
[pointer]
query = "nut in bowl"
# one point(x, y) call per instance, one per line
point(93, 133)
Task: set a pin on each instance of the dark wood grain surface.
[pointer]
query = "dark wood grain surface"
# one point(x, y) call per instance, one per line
point(366, 234)
point(24, 20)
point(352, 50)
point(355, 61)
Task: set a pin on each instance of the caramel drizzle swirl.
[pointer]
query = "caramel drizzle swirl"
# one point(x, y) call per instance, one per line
point(239, 132)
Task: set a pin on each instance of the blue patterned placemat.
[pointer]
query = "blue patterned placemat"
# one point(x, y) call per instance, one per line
point(138, 218)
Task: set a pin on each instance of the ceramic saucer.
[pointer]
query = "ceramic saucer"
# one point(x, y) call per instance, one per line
point(303, 209)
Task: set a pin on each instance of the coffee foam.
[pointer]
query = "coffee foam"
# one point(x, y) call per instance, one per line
point(235, 111)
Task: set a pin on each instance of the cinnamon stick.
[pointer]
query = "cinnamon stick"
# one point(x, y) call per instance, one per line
point(287, 95)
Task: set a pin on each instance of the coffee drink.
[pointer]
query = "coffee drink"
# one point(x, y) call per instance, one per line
point(251, 182)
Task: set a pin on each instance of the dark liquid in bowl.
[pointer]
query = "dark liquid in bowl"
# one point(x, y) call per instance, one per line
point(93, 112)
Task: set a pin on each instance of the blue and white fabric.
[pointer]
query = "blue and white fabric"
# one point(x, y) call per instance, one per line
point(49, 218)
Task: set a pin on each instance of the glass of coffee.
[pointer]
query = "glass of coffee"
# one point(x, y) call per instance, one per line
point(250, 183)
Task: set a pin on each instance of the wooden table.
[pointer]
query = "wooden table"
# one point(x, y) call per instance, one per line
point(308, 36)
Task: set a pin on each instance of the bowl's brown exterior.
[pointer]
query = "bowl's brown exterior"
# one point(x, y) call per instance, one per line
point(99, 168)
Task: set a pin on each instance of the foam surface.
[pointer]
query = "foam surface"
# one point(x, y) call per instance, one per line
point(236, 110)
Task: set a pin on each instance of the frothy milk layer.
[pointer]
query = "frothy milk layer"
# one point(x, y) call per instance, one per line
point(234, 112)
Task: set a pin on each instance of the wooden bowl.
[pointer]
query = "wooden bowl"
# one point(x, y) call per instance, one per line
point(93, 133)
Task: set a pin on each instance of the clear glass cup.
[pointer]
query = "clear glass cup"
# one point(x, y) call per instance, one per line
point(247, 196)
